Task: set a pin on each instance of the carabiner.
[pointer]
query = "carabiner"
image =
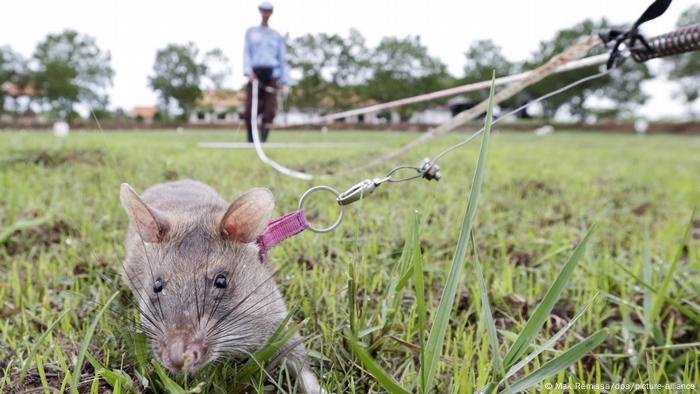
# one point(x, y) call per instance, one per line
point(360, 190)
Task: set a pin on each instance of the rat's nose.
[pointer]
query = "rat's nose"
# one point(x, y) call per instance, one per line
point(180, 351)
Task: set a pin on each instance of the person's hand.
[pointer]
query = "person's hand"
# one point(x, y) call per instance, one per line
point(283, 88)
point(251, 77)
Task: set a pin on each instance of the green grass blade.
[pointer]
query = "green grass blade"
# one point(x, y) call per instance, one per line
point(375, 370)
point(558, 363)
point(399, 278)
point(405, 266)
point(442, 316)
point(420, 295)
point(651, 375)
point(283, 333)
point(541, 313)
point(38, 342)
point(21, 225)
point(168, 384)
point(646, 275)
point(550, 343)
point(86, 342)
point(115, 378)
point(486, 314)
point(663, 290)
point(687, 312)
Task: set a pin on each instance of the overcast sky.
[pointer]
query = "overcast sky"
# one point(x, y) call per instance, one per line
point(133, 30)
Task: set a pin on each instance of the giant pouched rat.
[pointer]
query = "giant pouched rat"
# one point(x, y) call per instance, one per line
point(193, 263)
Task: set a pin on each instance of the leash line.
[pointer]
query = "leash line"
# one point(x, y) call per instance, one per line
point(428, 168)
point(525, 106)
point(258, 145)
point(562, 60)
point(572, 53)
point(470, 87)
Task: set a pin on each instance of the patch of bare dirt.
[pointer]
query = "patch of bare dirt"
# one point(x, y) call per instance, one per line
point(171, 175)
point(55, 158)
point(532, 187)
point(521, 258)
point(41, 236)
point(641, 209)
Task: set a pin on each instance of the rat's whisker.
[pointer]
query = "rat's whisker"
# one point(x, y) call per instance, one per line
point(213, 310)
point(151, 317)
point(236, 326)
point(138, 292)
point(234, 322)
point(150, 266)
point(233, 341)
point(206, 273)
point(257, 287)
point(251, 314)
point(232, 317)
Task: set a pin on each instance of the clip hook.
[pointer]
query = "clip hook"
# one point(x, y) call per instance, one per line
point(430, 170)
point(632, 35)
point(360, 190)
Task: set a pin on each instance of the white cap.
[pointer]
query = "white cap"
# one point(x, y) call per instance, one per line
point(265, 6)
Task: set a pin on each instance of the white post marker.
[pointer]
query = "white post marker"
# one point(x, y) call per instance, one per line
point(61, 129)
point(641, 126)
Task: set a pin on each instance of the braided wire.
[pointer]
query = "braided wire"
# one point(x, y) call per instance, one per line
point(683, 40)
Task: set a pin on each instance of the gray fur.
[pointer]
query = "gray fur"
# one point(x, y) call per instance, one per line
point(190, 248)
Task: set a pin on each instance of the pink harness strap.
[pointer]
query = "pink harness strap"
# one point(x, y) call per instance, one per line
point(280, 229)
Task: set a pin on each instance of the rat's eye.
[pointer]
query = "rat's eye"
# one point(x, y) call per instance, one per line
point(158, 285)
point(220, 281)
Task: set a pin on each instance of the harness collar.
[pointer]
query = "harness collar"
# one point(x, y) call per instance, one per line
point(280, 229)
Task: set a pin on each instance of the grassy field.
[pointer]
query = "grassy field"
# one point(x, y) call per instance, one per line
point(61, 246)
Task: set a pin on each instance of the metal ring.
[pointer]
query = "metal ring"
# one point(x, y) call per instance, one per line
point(340, 215)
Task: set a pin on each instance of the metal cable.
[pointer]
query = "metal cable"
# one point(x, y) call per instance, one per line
point(515, 111)
point(428, 169)
point(683, 40)
point(389, 177)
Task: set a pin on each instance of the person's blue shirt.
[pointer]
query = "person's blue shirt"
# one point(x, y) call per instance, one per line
point(265, 47)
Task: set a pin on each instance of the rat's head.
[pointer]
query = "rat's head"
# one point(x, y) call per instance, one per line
point(197, 277)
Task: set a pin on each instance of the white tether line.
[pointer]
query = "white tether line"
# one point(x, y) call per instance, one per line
point(305, 176)
point(258, 146)
point(471, 87)
point(592, 60)
point(522, 107)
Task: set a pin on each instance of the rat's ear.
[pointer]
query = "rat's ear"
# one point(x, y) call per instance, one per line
point(150, 224)
point(249, 215)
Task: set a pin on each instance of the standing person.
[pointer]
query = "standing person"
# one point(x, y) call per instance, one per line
point(264, 59)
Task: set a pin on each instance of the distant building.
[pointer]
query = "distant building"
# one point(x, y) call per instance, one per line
point(144, 115)
point(21, 103)
point(295, 115)
point(15, 91)
point(432, 115)
point(225, 107)
point(218, 107)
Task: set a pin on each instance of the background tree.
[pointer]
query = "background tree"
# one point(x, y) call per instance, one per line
point(685, 68)
point(312, 56)
point(331, 69)
point(71, 68)
point(623, 87)
point(482, 58)
point(177, 76)
point(13, 69)
point(218, 69)
point(402, 67)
